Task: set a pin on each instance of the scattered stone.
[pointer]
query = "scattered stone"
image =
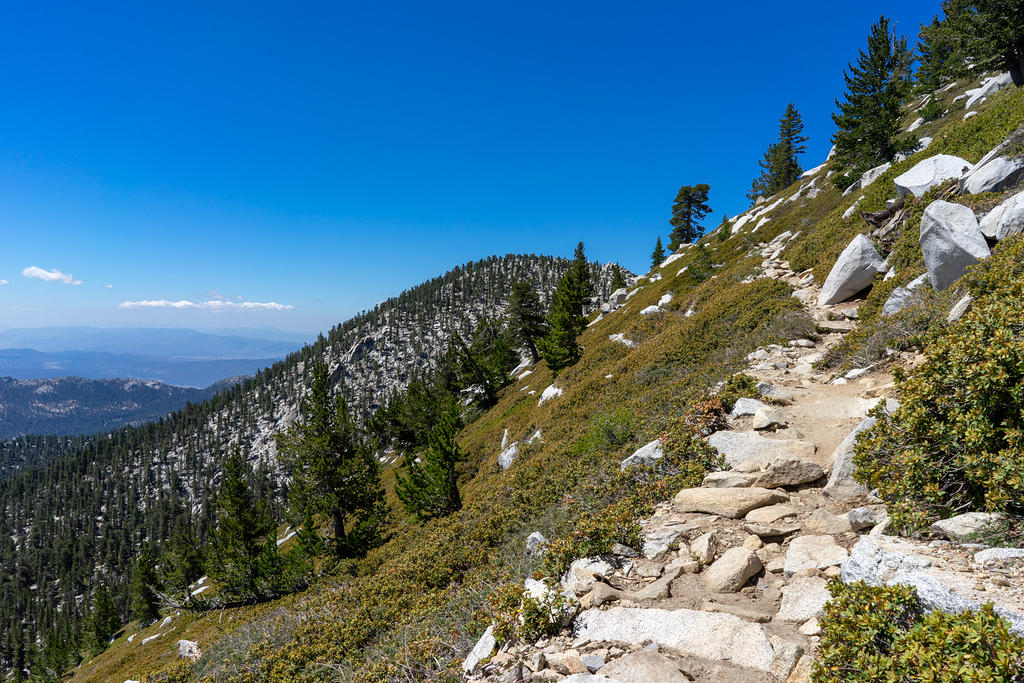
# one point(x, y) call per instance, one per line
point(998, 555)
point(659, 590)
point(620, 338)
point(803, 670)
point(960, 308)
point(733, 503)
point(508, 456)
point(768, 417)
point(644, 667)
point(854, 271)
point(862, 518)
point(774, 394)
point(812, 627)
point(481, 651)
point(645, 455)
point(703, 547)
point(990, 85)
point(534, 542)
point(824, 522)
point(803, 598)
point(930, 172)
point(786, 655)
point(549, 393)
point(732, 570)
point(841, 482)
point(789, 472)
point(1004, 220)
point(581, 678)
point(691, 633)
point(651, 310)
point(567, 663)
point(872, 175)
point(902, 296)
point(728, 479)
point(737, 447)
point(753, 542)
point(658, 542)
point(600, 594)
point(189, 649)
point(813, 552)
point(746, 406)
point(618, 297)
point(593, 662)
point(950, 242)
point(771, 514)
point(961, 527)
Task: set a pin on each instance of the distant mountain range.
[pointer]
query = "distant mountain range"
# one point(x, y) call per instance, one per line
point(73, 405)
point(179, 357)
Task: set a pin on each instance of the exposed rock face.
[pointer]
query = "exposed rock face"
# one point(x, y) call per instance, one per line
point(993, 175)
point(645, 455)
point(950, 241)
point(738, 447)
point(688, 632)
point(734, 503)
point(930, 172)
point(482, 650)
point(732, 570)
point(855, 270)
point(902, 296)
point(1004, 220)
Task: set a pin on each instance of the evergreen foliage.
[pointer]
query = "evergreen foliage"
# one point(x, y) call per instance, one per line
point(868, 120)
point(658, 255)
point(780, 167)
point(565, 317)
point(145, 606)
point(690, 206)
point(429, 488)
point(333, 474)
point(526, 316)
point(987, 33)
point(182, 561)
point(243, 556)
point(104, 620)
point(618, 282)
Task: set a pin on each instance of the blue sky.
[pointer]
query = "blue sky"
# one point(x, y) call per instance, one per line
point(325, 156)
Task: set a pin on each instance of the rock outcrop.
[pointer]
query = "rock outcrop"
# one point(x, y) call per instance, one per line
point(950, 242)
point(854, 271)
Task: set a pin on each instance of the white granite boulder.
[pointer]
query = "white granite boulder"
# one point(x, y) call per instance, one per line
point(993, 175)
point(1004, 220)
point(645, 455)
point(930, 172)
point(902, 296)
point(854, 271)
point(950, 242)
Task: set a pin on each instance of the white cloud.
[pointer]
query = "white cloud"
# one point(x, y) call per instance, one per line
point(109, 286)
point(50, 275)
point(213, 305)
point(4, 282)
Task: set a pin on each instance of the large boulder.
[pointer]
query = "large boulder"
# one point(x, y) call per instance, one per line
point(1004, 220)
point(731, 571)
point(962, 527)
point(644, 666)
point(738, 447)
point(930, 172)
point(481, 651)
point(709, 635)
point(990, 85)
point(508, 456)
point(734, 503)
point(855, 270)
point(993, 175)
point(950, 242)
point(189, 649)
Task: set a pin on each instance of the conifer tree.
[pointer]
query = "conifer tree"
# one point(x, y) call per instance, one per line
point(243, 555)
point(429, 488)
point(658, 255)
point(990, 33)
point(579, 269)
point(618, 282)
point(104, 620)
point(791, 146)
point(690, 206)
point(565, 316)
point(940, 57)
point(868, 120)
point(527, 316)
point(332, 473)
point(145, 607)
point(182, 561)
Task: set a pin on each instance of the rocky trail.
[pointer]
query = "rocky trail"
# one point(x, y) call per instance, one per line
point(731, 580)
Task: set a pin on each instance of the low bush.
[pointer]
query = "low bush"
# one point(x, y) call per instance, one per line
point(882, 634)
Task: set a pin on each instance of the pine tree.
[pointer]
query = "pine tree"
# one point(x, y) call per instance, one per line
point(791, 145)
point(772, 168)
point(332, 473)
point(430, 486)
point(565, 316)
point(940, 58)
point(104, 620)
point(182, 561)
point(579, 270)
point(145, 607)
point(868, 121)
point(990, 33)
point(526, 316)
point(243, 555)
point(658, 255)
point(618, 282)
point(690, 206)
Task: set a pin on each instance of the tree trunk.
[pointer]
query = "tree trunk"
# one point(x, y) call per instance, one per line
point(1017, 66)
point(340, 539)
point(532, 347)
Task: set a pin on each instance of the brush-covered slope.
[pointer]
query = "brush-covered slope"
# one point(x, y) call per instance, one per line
point(74, 510)
point(414, 607)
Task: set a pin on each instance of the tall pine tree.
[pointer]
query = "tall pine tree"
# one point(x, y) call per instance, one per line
point(526, 316)
point(868, 121)
point(430, 488)
point(333, 474)
point(690, 206)
point(145, 606)
point(104, 620)
point(780, 166)
point(243, 554)
point(565, 315)
point(618, 281)
point(658, 255)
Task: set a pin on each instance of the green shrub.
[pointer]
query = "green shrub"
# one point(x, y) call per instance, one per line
point(881, 634)
point(957, 441)
point(740, 385)
point(932, 110)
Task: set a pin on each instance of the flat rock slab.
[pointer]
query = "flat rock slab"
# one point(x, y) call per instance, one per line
point(961, 527)
point(789, 472)
point(803, 598)
point(737, 447)
point(734, 503)
point(643, 667)
point(930, 172)
point(691, 633)
point(771, 514)
point(814, 552)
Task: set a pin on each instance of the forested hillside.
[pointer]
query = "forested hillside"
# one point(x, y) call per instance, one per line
point(76, 509)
